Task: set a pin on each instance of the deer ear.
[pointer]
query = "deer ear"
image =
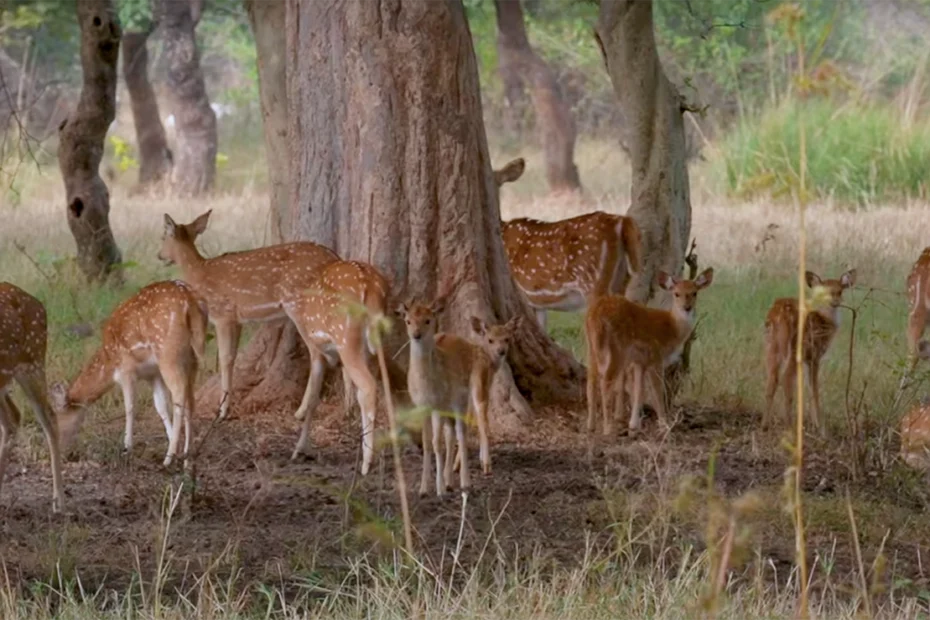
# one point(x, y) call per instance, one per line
point(478, 326)
point(199, 225)
point(923, 349)
point(438, 305)
point(812, 279)
point(170, 227)
point(848, 279)
point(666, 281)
point(706, 277)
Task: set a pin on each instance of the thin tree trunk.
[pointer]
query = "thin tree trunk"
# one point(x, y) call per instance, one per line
point(660, 194)
point(81, 140)
point(390, 165)
point(554, 121)
point(268, 21)
point(194, 169)
point(154, 156)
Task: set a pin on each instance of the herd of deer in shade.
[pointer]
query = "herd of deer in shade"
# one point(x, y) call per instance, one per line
point(581, 263)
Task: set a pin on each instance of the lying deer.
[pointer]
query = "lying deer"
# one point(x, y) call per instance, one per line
point(332, 329)
point(449, 373)
point(560, 265)
point(781, 337)
point(915, 425)
point(625, 338)
point(157, 335)
point(23, 342)
point(241, 287)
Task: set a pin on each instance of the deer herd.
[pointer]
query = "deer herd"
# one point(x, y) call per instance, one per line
point(582, 263)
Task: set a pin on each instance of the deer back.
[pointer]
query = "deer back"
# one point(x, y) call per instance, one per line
point(23, 333)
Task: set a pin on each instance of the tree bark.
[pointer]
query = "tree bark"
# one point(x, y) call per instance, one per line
point(268, 21)
point(154, 156)
point(390, 165)
point(194, 168)
point(660, 193)
point(554, 121)
point(81, 140)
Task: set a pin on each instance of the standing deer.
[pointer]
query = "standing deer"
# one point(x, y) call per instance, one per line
point(918, 297)
point(561, 265)
point(157, 335)
point(915, 425)
point(781, 337)
point(241, 287)
point(449, 373)
point(625, 338)
point(23, 342)
point(330, 328)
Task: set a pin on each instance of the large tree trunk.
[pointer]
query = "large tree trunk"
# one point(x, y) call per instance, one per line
point(154, 156)
point(195, 122)
point(554, 121)
point(660, 194)
point(268, 21)
point(390, 165)
point(81, 139)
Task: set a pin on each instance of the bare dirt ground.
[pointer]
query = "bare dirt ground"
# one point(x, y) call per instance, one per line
point(257, 513)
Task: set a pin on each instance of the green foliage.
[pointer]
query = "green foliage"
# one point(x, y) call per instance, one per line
point(123, 154)
point(135, 14)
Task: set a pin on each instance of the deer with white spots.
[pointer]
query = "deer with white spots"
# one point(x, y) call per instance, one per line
point(562, 265)
point(449, 373)
point(157, 335)
point(23, 342)
point(626, 339)
point(333, 330)
point(918, 297)
point(241, 287)
point(781, 337)
point(915, 425)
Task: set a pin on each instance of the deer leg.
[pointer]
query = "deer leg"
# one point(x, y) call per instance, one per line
point(311, 400)
point(36, 391)
point(227, 341)
point(447, 437)
point(177, 383)
point(657, 388)
point(426, 464)
point(789, 385)
point(772, 364)
point(636, 413)
point(479, 403)
point(126, 383)
point(9, 422)
point(163, 404)
point(464, 479)
point(813, 373)
point(437, 424)
point(593, 371)
point(353, 358)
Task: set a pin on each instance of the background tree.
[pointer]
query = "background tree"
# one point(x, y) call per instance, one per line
point(81, 138)
point(195, 122)
point(154, 156)
point(555, 125)
point(390, 165)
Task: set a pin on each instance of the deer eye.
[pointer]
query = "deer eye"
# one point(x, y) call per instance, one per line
point(490, 341)
point(428, 321)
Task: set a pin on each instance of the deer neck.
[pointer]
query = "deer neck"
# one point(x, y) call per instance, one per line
point(190, 261)
point(831, 314)
point(93, 382)
point(684, 322)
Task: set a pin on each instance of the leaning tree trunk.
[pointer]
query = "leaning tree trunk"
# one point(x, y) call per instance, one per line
point(81, 139)
point(154, 156)
point(389, 164)
point(195, 122)
point(554, 121)
point(653, 109)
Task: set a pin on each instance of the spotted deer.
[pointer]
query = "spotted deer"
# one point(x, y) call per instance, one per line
point(918, 297)
point(241, 287)
point(23, 343)
point(157, 335)
point(333, 330)
point(626, 339)
point(915, 425)
point(449, 373)
point(781, 337)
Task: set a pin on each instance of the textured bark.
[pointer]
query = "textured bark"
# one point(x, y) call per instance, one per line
point(390, 165)
point(194, 169)
point(154, 156)
point(81, 139)
point(268, 21)
point(660, 194)
point(554, 121)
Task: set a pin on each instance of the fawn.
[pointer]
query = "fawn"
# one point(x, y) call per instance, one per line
point(23, 343)
point(624, 338)
point(330, 328)
point(447, 372)
point(157, 335)
point(241, 287)
point(781, 337)
point(915, 425)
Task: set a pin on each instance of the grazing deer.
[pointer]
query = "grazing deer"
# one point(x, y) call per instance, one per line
point(23, 341)
point(915, 425)
point(561, 265)
point(781, 337)
point(449, 373)
point(157, 335)
point(625, 338)
point(918, 297)
point(241, 287)
point(331, 328)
